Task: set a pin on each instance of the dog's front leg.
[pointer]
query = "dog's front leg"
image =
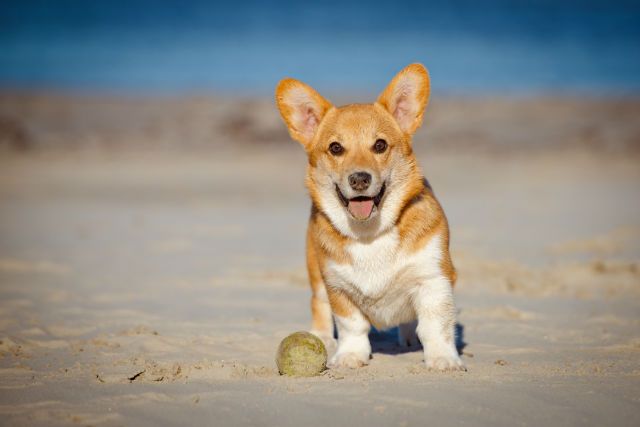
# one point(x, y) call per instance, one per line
point(354, 349)
point(436, 325)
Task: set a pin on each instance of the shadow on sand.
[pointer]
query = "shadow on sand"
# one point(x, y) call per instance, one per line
point(386, 342)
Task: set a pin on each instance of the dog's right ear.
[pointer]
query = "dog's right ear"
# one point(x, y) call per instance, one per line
point(406, 97)
point(302, 109)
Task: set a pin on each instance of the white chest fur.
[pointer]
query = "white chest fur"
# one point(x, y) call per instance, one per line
point(381, 277)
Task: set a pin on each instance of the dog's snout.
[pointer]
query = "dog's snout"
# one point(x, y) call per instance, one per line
point(360, 181)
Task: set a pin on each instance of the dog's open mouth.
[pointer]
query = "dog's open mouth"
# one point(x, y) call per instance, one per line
point(361, 207)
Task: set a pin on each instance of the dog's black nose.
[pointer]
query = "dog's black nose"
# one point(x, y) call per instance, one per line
point(360, 181)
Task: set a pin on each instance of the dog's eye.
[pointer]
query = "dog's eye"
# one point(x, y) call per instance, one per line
point(380, 146)
point(336, 149)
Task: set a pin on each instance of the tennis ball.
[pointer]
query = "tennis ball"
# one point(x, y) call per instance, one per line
point(301, 354)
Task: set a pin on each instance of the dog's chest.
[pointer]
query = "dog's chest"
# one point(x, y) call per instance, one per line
point(381, 275)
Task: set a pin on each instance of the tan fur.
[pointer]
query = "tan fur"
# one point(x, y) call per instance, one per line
point(321, 317)
point(421, 219)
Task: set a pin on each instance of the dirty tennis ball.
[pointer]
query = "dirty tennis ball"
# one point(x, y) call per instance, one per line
point(301, 354)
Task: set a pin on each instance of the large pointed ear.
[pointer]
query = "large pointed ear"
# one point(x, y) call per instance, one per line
point(302, 109)
point(406, 97)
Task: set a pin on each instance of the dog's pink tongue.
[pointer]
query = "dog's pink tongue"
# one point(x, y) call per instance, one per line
point(361, 209)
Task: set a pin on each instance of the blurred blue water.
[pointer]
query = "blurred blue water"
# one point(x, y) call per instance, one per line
point(505, 46)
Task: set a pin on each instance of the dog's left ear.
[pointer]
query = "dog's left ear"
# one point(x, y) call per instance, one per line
point(406, 97)
point(302, 109)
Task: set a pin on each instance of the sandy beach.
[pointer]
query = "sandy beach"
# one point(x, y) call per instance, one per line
point(152, 258)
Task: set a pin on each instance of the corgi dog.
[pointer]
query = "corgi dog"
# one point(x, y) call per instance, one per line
point(377, 240)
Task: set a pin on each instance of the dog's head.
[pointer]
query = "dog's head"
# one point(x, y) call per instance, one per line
point(361, 166)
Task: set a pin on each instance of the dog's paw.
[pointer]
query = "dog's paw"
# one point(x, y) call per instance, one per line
point(348, 360)
point(330, 343)
point(445, 363)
